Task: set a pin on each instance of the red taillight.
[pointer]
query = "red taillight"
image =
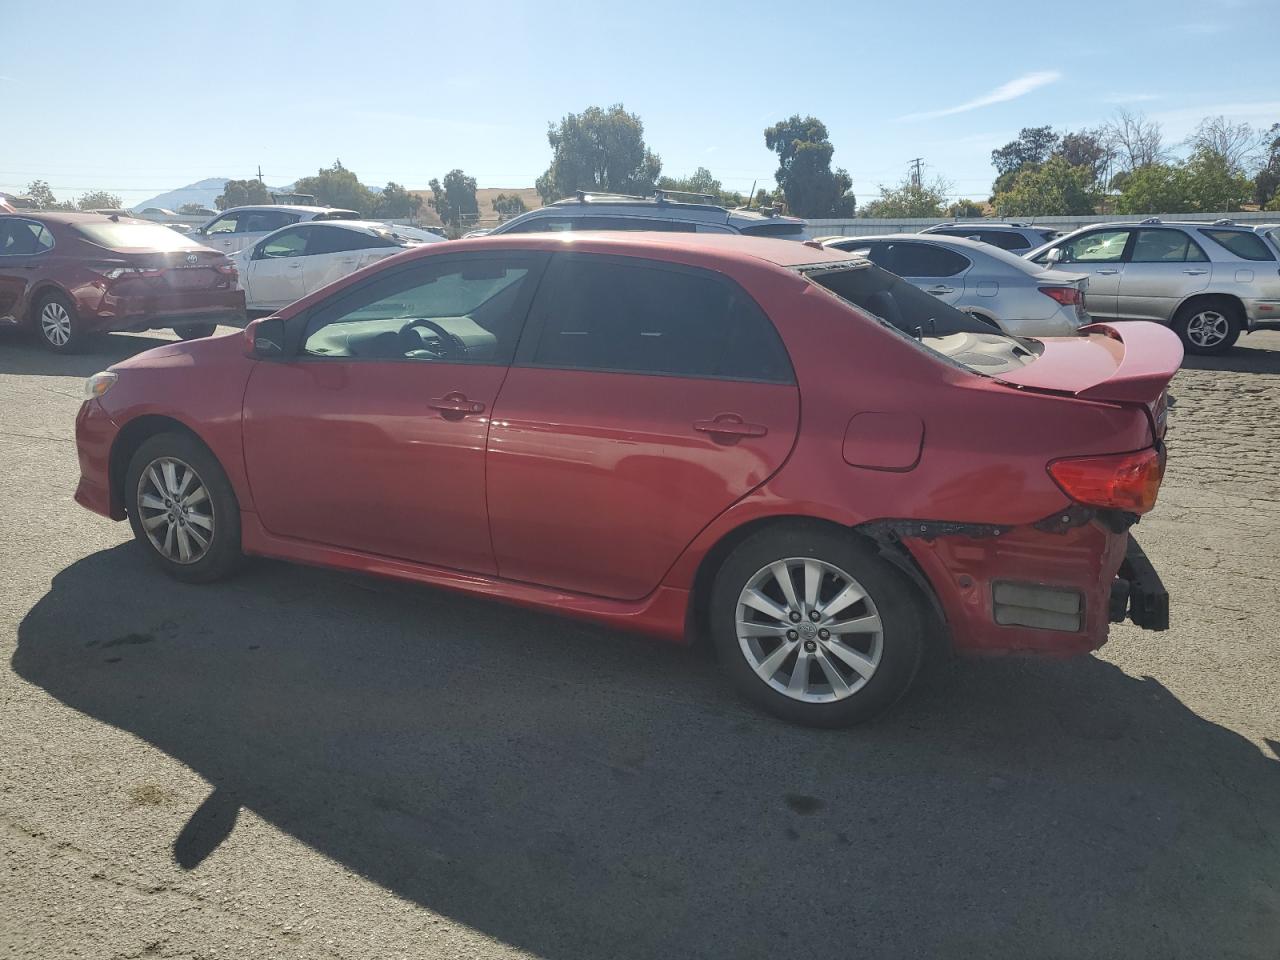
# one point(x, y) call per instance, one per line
point(1121, 481)
point(1067, 296)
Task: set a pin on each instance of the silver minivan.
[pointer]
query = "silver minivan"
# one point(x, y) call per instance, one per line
point(1209, 281)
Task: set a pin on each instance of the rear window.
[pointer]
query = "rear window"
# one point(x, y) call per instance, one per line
point(782, 231)
point(133, 236)
point(1246, 246)
point(960, 337)
point(337, 215)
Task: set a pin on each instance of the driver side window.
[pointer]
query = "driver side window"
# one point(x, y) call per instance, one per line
point(454, 310)
point(1101, 246)
point(225, 224)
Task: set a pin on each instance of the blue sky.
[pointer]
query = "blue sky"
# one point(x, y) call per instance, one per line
point(140, 98)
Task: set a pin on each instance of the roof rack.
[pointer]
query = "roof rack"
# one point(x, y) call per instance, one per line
point(1151, 220)
point(1224, 222)
point(663, 195)
point(582, 195)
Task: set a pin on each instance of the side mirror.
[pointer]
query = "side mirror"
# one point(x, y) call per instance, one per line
point(266, 338)
point(1054, 255)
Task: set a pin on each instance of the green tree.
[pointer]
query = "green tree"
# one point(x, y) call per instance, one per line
point(598, 150)
point(396, 201)
point(704, 182)
point(1266, 185)
point(240, 193)
point(455, 200)
point(965, 209)
point(1215, 183)
point(1052, 189)
point(336, 186)
point(39, 192)
point(507, 206)
point(99, 200)
point(1155, 188)
point(804, 175)
point(908, 200)
point(1088, 149)
point(1032, 148)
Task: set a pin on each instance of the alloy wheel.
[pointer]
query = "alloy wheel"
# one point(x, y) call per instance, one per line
point(809, 630)
point(55, 323)
point(175, 510)
point(1208, 328)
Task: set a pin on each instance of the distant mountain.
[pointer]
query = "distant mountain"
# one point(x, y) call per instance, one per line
point(203, 192)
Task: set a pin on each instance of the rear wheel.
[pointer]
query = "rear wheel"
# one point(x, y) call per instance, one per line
point(1208, 326)
point(182, 509)
point(814, 627)
point(196, 331)
point(58, 323)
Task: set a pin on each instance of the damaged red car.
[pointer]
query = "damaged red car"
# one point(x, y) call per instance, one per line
point(825, 470)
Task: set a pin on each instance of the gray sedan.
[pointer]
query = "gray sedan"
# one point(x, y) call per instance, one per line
point(1022, 298)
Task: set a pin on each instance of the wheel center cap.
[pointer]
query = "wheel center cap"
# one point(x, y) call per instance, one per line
point(808, 630)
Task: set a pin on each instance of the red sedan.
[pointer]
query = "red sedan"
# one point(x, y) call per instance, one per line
point(69, 274)
point(825, 469)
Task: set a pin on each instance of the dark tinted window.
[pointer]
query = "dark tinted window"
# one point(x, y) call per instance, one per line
point(321, 239)
point(1164, 246)
point(599, 314)
point(877, 251)
point(1247, 246)
point(23, 238)
point(257, 221)
point(783, 231)
point(455, 309)
point(908, 259)
point(1005, 239)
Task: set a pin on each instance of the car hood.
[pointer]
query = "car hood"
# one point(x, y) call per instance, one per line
point(184, 353)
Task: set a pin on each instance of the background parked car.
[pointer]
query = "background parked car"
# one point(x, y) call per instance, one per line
point(1017, 237)
point(1210, 281)
point(664, 211)
point(1020, 297)
point(294, 261)
point(69, 274)
point(239, 227)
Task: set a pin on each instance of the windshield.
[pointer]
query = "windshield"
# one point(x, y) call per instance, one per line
point(133, 236)
point(960, 337)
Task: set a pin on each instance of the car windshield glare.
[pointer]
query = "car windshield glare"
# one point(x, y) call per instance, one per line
point(133, 236)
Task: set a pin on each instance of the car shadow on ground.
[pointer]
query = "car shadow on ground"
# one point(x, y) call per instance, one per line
point(579, 793)
point(1249, 356)
point(22, 355)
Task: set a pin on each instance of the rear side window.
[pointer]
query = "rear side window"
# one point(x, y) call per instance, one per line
point(337, 240)
point(20, 238)
point(924, 260)
point(337, 215)
point(600, 314)
point(1246, 246)
point(1005, 240)
point(1165, 246)
point(260, 221)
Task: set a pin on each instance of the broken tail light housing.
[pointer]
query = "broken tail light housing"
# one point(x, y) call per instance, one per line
point(1067, 296)
point(1120, 481)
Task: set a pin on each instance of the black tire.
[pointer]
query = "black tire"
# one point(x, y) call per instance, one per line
point(196, 331)
point(901, 637)
point(1208, 327)
point(221, 555)
point(57, 324)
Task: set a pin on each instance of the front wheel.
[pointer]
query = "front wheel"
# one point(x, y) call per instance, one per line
point(196, 331)
point(1208, 327)
point(813, 626)
point(182, 509)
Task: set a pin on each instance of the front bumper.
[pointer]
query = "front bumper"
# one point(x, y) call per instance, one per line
point(95, 433)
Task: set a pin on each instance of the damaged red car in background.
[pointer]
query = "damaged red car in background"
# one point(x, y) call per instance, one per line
point(827, 471)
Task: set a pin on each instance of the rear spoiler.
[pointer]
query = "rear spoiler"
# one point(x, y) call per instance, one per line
point(1133, 364)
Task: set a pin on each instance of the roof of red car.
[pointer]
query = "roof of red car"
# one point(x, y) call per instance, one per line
point(784, 253)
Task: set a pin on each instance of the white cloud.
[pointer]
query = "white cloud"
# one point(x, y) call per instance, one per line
point(1018, 87)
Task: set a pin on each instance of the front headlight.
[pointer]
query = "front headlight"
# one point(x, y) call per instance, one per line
point(99, 384)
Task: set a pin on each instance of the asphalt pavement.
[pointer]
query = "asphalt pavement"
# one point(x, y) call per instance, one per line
point(301, 763)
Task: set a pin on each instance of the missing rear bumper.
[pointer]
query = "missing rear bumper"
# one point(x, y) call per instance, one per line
point(1138, 592)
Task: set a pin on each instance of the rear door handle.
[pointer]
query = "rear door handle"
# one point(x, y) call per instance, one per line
point(1195, 273)
point(729, 428)
point(455, 406)
point(1107, 273)
point(939, 290)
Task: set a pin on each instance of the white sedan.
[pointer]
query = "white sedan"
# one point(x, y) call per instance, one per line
point(296, 260)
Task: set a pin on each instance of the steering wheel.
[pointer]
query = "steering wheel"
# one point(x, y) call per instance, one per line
point(451, 346)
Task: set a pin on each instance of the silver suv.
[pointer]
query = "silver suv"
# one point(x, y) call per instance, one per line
point(1209, 281)
point(1018, 238)
point(663, 211)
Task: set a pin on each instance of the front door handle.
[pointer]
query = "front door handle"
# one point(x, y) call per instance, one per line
point(1107, 273)
point(939, 290)
point(455, 406)
point(729, 428)
point(1195, 273)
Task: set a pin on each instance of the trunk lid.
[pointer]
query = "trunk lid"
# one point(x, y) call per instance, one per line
point(1124, 362)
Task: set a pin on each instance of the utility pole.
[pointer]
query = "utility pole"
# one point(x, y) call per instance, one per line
point(915, 171)
point(260, 173)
